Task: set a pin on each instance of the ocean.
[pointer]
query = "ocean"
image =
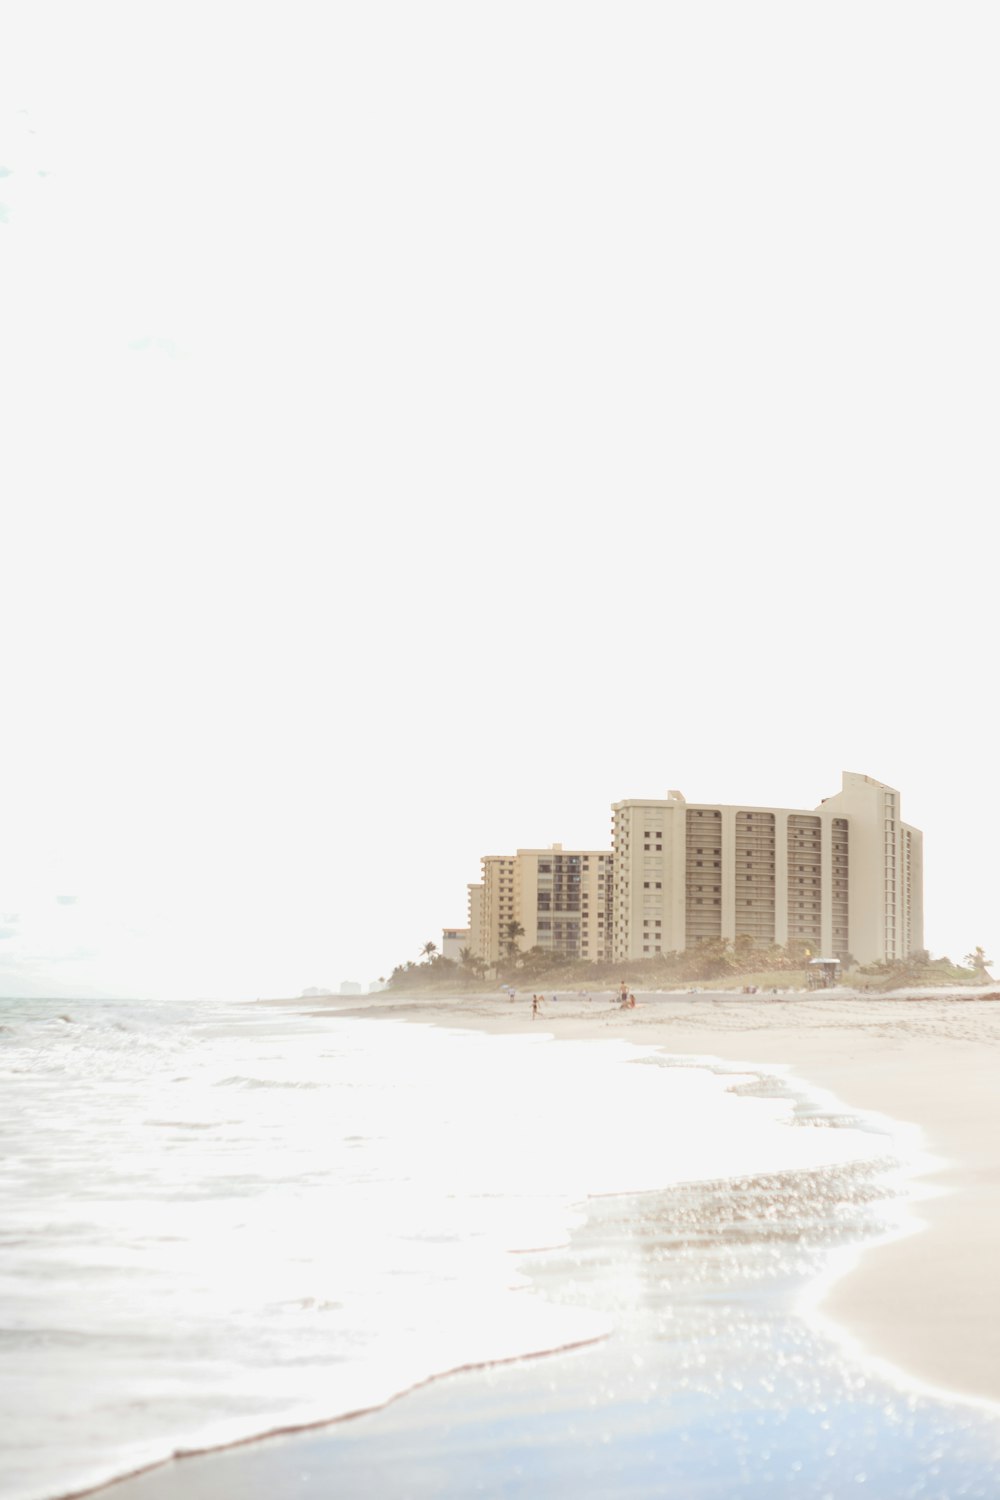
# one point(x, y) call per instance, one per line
point(222, 1221)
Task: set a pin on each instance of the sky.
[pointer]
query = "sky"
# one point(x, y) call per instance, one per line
point(424, 425)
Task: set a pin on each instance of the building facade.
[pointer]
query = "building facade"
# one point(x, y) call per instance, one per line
point(558, 897)
point(477, 940)
point(453, 941)
point(561, 900)
point(843, 878)
point(497, 906)
point(887, 869)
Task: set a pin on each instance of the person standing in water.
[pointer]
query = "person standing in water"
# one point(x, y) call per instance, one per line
point(534, 1005)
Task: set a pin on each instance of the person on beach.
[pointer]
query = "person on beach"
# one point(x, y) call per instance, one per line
point(534, 1005)
point(623, 992)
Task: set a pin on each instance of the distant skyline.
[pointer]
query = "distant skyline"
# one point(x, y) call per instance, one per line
point(427, 425)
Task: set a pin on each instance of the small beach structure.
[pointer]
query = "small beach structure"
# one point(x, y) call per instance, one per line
point(822, 973)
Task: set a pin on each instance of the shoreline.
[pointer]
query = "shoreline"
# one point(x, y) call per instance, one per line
point(883, 1301)
point(924, 1304)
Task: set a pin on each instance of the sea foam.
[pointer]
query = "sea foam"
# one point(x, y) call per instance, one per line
point(221, 1221)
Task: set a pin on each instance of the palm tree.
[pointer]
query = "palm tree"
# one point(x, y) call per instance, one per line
point(428, 951)
point(514, 931)
point(978, 961)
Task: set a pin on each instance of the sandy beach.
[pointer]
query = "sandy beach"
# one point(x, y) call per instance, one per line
point(616, 1416)
point(927, 1303)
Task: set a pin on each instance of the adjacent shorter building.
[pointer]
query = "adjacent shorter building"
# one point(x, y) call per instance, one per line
point(453, 941)
point(476, 939)
point(561, 900)
point(557, 897)
point(496, 906)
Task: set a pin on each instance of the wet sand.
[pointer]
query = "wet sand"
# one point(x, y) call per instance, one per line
point(929, 1303)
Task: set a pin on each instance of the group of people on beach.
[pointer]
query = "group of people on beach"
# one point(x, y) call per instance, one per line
point(626, 1000)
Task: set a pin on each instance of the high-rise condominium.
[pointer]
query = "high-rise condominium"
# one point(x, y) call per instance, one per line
point(843, 878)
point(557, 897)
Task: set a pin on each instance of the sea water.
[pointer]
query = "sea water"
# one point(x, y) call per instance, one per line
point(221, 1221)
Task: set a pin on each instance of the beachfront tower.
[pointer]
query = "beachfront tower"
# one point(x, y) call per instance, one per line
point(497, 909)
point(477, 940)
point(561, 897)
point(558, 897)
point(843, 878)
point(886, 881)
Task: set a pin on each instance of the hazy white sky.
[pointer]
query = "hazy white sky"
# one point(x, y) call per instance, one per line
point(424, 424)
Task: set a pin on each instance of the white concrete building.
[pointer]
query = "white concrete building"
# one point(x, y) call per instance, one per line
point(560, 899)
point(453, 940)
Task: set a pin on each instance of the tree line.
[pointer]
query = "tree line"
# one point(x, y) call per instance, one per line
point(712, 958)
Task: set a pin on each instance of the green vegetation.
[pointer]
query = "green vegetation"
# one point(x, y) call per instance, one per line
point(514, 931)
point(717, 962)
point(978, 961)
point(919, 971)
point(439, 973)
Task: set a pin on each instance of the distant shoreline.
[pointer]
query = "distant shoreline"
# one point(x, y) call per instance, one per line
point(708, 989)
